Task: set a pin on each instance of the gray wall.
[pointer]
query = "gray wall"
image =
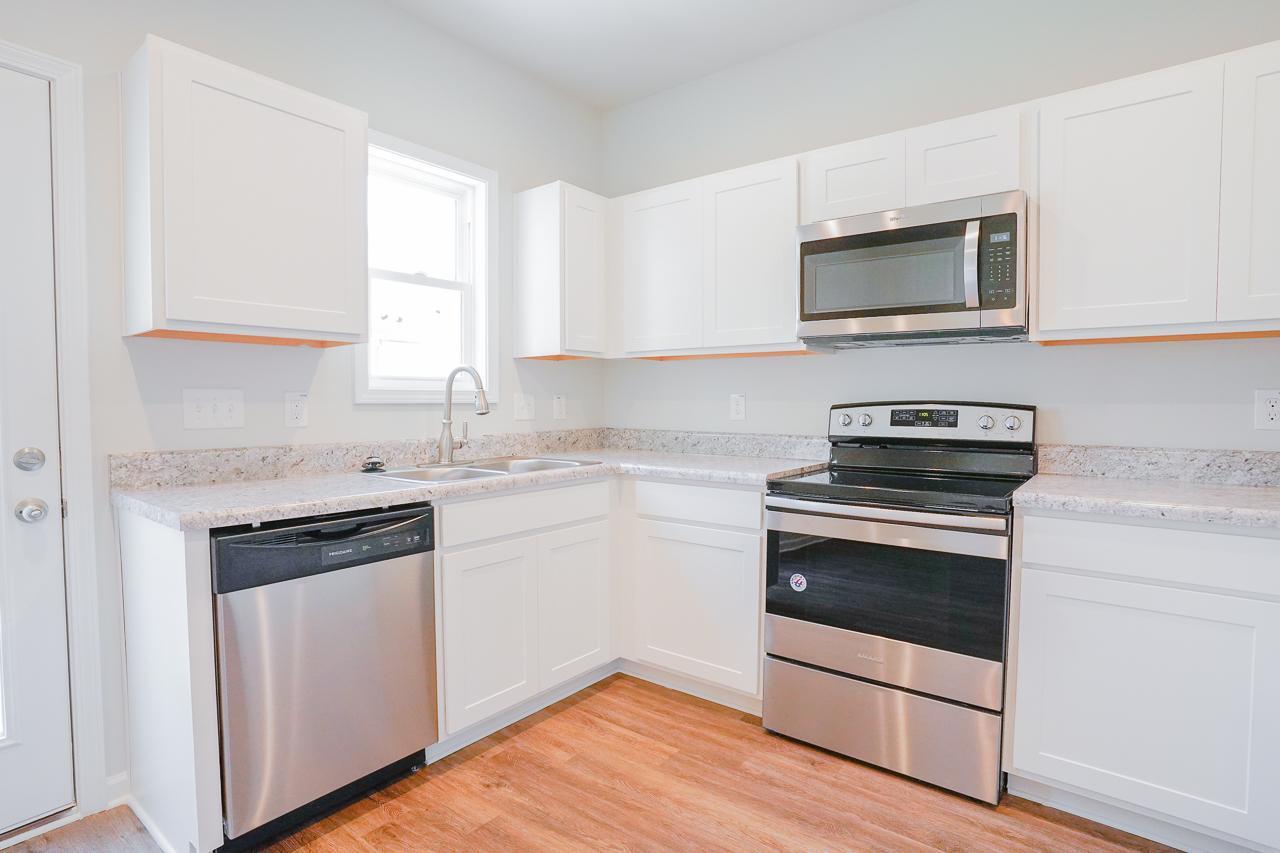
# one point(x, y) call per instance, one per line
point(928, 61)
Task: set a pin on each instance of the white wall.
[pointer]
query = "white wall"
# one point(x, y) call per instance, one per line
point(414, 83)
point(931, 60)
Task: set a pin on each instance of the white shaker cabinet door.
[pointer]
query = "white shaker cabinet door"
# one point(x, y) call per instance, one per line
point(750, 262)
point(490, 613)
point(1249, 257)
point(573, 602)
point(698, 602)
point(1165, 698)
point(865, 176)
point(969, 156)
point(584, 271)
point(660, 266)
point(264, 200)
point(1129, 178)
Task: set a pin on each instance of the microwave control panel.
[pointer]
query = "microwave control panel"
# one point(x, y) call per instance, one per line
point(998, 261)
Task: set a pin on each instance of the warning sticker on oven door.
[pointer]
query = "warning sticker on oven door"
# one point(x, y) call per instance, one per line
point(798, 583)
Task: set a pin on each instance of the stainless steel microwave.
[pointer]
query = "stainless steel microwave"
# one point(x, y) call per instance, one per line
point(951, 272)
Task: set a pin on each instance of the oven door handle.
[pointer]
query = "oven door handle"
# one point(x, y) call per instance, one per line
point(994, 523)
point(893, 535)
point(971, 232)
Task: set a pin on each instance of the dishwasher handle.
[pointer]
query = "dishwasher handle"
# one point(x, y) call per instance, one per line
point(290, 550)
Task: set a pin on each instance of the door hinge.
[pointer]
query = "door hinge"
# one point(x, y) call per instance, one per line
point(64, 507)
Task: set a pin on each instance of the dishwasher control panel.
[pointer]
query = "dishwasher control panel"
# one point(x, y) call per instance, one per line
point(387, 545)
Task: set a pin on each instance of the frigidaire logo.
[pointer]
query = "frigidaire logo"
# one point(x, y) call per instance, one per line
point(871, 658)
point(897, 217)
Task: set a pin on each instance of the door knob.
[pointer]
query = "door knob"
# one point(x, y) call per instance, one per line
point(29, 459)
point(31, 510)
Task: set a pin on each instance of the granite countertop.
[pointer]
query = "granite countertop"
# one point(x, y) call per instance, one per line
point(1167, 500)
point(248, 501)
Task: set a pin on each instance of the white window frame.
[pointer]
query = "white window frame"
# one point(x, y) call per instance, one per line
point(481, 296)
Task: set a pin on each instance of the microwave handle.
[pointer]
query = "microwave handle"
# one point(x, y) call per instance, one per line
point(971, 231)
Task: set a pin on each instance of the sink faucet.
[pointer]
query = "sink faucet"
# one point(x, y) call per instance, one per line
point(447, 442)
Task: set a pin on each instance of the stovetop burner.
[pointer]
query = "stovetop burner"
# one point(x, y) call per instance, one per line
point(953, 457)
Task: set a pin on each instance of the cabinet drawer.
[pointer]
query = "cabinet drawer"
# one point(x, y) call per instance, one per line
point(699, 504)
point(1227, 561)
point(474, 521)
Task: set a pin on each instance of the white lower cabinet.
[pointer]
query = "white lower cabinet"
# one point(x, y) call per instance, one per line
point(490, 616)
point(573, 602)
point(697, 600)
point(1146, 693)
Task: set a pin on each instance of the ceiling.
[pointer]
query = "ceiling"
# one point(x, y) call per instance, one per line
point(611, 52)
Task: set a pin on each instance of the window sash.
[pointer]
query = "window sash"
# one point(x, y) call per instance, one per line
point(469, 351)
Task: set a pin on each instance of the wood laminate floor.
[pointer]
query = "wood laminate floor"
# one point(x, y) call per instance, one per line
point(628, 765)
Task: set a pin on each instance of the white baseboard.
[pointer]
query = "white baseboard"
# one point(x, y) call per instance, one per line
point(117, 790)
point(692, 686)
point(1126, 819)
point(149, 825)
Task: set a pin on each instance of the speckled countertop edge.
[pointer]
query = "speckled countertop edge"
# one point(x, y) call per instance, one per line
point(252, 501)
point(1163, 500)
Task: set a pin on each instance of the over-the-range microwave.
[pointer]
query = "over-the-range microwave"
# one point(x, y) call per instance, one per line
point(951, 272)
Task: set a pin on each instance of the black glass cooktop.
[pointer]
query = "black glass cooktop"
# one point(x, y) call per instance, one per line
point(920, 491)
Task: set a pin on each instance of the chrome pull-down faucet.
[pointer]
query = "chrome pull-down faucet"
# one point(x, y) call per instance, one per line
point(447, 443)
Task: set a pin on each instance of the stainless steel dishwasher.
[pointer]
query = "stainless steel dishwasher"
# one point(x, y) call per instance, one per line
point(326, 661)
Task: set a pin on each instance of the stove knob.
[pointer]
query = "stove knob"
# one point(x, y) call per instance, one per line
point(1013, 423)
point(846, 419)
point(864, 419)
point(986, 422)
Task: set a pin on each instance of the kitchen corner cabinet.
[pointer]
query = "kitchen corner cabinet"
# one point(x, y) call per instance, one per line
point(660, 267)
point(1129, 180)
point(560, 283)
point(1249, 259)
point(698, 595)
point(244, 204)
point(1148, 670)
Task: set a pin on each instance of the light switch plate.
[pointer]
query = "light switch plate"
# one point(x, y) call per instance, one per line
point(1266, 409)
point(212, 408)
point(737, 407)
point(558, 407)
point(295, 408)
point(524, 407)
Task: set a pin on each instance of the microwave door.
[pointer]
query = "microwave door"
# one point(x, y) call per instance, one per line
point(910, 279)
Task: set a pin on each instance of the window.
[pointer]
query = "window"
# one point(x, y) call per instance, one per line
point(431, 239)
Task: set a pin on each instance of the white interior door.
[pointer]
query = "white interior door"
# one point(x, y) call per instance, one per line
point(35, 707)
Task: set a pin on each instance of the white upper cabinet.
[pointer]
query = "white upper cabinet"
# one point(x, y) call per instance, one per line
point(1129, 177)
point(244, 203)
point(750, 263)
point(560, 272)
point(1249, 256)
point(963, 157)
point(660, 267)
point(855, 178)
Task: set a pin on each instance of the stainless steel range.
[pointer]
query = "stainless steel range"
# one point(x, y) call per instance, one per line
point(888, 589)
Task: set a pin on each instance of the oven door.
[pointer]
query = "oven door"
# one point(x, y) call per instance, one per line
point(938, 268)
point(917, 600)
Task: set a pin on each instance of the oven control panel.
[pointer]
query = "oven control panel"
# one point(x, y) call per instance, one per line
point(967, 422)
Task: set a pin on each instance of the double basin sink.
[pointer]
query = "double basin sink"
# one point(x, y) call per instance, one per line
point(503, 467)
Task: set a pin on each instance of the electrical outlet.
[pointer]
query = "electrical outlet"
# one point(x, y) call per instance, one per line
point(737, 407)
point(1266, 409)
point(557, 407)
point(295, 408)
point(524, 407)
point(212, 408)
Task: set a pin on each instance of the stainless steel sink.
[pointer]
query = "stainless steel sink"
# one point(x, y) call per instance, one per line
point(526, 464)
point(438, 474)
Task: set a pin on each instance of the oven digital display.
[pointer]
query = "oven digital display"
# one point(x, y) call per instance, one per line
point(924, 417)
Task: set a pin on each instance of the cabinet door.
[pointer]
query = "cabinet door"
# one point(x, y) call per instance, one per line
point(750, 260)
point(1249, 257)
point(1129, 177)
point(584, 281)
point(573, 602)
point(854, 178)
point(969, 156)
point(264, 201)
point(490, 612)
point(698, 602)
point(661, 266)
point(1165, 698)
